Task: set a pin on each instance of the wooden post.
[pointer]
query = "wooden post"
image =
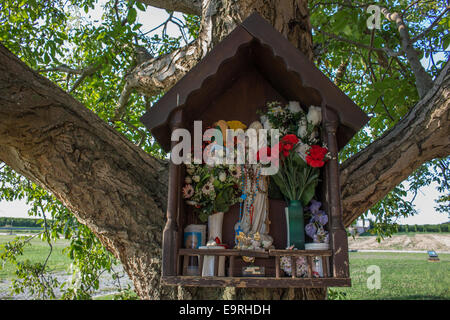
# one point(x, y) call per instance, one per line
point(231, 267)
point(325, 266)
point(170, 243)
point(185, 264)
point(338, 235)
point(310, 262)
point(216, 266)
point(277, 267)
point(294, 266)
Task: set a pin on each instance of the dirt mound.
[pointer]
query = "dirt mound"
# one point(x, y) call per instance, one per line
point(427, 241)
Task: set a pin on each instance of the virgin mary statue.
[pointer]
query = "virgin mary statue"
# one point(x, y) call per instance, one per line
point(254, 218)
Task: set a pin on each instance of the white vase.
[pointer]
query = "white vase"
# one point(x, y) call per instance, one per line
point(215, 222)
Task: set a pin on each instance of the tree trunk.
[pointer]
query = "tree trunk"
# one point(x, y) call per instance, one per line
point(120, 192)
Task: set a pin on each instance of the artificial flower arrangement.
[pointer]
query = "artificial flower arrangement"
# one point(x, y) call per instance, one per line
point(300, 159)
point(300, 154)
point(213, 188)
point(316, 226)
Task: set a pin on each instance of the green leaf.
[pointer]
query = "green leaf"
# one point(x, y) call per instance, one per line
point(132, 14)
point(140, 6)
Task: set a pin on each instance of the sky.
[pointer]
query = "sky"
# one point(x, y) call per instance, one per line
point(151, 18)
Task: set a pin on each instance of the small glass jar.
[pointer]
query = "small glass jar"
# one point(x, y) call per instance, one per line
point(194, 237)
point(317, 265)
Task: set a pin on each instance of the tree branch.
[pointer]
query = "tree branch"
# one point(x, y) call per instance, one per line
point(422, 135)
point(89, 71)
point(424, 81)
point(62, 68)
point(186, 6)
point(158, 74)
point(388, 51)
point(431, 27)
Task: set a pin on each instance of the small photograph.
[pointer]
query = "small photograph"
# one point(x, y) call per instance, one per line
point(192, 240)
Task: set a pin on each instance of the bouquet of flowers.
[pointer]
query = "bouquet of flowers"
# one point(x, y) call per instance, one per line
point(291, 119)
point(212, 188)
point(301, 263)
point(300, 155)
point(315, 227)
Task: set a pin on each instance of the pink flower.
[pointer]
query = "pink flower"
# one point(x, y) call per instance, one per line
point(188, 191)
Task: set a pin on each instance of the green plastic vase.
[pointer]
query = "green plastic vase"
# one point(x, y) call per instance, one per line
point(296, 225)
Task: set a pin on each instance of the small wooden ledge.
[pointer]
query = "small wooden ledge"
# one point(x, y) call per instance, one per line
point(254, 253)
point(255, 282)
point(225, 252)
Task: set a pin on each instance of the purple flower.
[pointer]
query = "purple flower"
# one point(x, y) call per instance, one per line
point(314, 207)
point(310, 229)
point(322, 218)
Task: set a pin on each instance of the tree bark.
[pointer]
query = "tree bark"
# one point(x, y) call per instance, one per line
point(120, 192)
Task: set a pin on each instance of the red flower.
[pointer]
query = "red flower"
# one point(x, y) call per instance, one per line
point(316, 155)
point(287, 144)
point(290, 139)
point(317, 151)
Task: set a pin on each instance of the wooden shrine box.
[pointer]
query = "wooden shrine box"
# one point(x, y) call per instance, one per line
point(254, 64)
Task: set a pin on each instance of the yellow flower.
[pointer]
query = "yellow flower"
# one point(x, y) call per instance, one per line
point(236, 124)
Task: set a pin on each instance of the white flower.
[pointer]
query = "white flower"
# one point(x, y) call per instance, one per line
point(294, 107)
point(277, 110)
point(188, 180)
point(302, 128)
point(314, 115)
point(196, 178)
point(302, 149)
point(222, 176)
point(267, 125)
point(208, 188)
point(263, 119)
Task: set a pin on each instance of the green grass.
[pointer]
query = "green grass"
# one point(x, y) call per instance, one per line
point(37, 252)
point(406, 276)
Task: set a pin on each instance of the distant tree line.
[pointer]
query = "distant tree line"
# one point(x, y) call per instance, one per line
point(444, 227)
point(20, 222)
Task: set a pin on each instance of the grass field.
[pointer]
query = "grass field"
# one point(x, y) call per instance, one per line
point(37, 252)
point(403, 275)
point(406, 276)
